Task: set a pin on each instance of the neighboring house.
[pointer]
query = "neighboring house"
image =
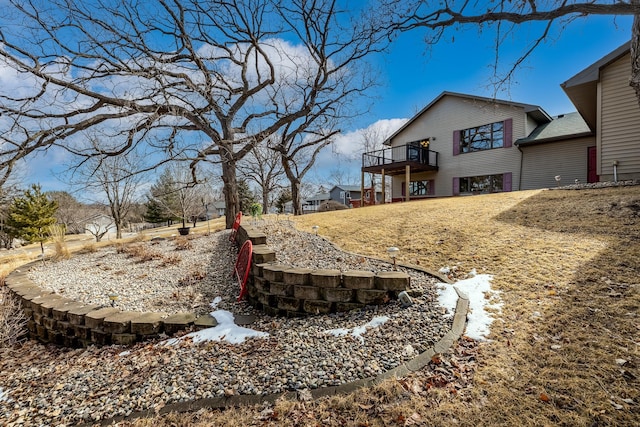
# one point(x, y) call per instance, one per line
point(312, 204)
point(99, 224)
point(349, 195)
point(219, 207)
point(464, 144)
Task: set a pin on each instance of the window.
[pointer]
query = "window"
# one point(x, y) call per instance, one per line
point(483, 137)
point(419, 188)
point(482, 184)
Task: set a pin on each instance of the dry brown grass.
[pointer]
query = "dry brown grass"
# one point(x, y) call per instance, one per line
point(566, 350)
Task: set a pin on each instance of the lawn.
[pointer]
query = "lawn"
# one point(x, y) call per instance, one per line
point(564, 351)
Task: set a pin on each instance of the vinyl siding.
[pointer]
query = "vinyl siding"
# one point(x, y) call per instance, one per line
point(452, 113)
point(542, 162)
point(619, 122)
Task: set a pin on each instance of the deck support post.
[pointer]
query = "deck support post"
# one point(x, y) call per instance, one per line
point(384, 188)
point(407, 179)
point(362, 188)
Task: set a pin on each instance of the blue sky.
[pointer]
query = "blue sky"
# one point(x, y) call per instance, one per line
point(412, 76)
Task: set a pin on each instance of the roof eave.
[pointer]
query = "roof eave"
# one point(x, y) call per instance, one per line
point(525, 143)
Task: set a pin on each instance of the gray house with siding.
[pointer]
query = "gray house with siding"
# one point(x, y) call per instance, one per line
point(609, 106)
point(463, 144)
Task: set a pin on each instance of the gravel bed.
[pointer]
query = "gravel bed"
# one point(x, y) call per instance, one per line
point(63, 387)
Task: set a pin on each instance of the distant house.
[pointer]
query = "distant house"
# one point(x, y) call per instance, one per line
point(312, 204)
point(219, 207)
point(464, 144)
point(349, 195)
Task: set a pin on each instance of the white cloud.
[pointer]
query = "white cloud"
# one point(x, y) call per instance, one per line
point(350, 143)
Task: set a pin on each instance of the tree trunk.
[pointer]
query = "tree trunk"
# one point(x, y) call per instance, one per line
point(634, 82)
point(265, 200)
point(295, 196)
point(230, 191)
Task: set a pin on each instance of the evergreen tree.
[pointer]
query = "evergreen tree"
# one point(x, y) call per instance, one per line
point(164, 194)
point(283, 198)
point(154, 212)
point(246, 196)
point(31, 215)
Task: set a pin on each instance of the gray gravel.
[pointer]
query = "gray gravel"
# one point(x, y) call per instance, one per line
point(64, 387)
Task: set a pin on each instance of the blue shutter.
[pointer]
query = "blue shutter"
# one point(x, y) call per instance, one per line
point(456, 186)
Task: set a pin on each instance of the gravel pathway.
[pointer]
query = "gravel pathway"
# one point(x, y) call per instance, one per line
point(42, 385)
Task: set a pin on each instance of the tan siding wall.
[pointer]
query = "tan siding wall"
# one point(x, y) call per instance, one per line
point(541, 163)
point(620, 122)
point(454, 113)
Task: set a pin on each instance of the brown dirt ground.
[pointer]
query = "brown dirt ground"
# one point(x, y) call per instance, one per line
point(566, 348)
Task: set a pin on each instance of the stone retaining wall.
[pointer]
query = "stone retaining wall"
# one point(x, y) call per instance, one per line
point(274, 288)
point(282, 290)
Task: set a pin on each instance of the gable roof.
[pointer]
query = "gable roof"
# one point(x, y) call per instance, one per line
point(535, 111)
point(562, 127)
point(582, 89)
point(319, 196)
point(346, 188)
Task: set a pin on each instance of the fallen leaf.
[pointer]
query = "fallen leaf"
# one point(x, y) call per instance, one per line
point(616, 406)
point(544, 397)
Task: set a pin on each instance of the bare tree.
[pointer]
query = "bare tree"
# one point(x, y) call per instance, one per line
point(190, 79)
point(263, 167)
point(114, 184)
point(299, 147)
point(438, 17)
point(70, 211)
point(98, 229)
point(177, 195)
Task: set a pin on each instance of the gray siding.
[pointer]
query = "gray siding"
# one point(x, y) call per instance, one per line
point(619, 131)
point(542, 162)
point(454, 113)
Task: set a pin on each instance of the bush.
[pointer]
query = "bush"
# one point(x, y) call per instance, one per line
point(331, 205)
point(13, 323)
point(57, 232)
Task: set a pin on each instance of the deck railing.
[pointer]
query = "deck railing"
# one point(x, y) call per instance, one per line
point(400, 154)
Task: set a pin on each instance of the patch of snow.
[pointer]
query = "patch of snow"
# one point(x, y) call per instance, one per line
point(225, 330)
point(124, 353)
point(482, 300)
point(445, 270)
point(215, 302)
point(358, 331)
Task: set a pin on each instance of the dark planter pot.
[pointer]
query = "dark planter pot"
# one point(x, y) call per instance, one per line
point(184, 230)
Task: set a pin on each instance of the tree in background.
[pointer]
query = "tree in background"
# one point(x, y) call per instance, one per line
point(31, 215)
point(283, 198)
point(183, 79)
point(154, 213)
point(7, 194)
point(115, 178)
point(175, 196)
point(246, 196)
point(263, 167)
point(70, 211)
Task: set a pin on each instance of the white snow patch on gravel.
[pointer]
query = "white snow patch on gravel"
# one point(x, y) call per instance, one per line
point(483, 301)
point(358, 331)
